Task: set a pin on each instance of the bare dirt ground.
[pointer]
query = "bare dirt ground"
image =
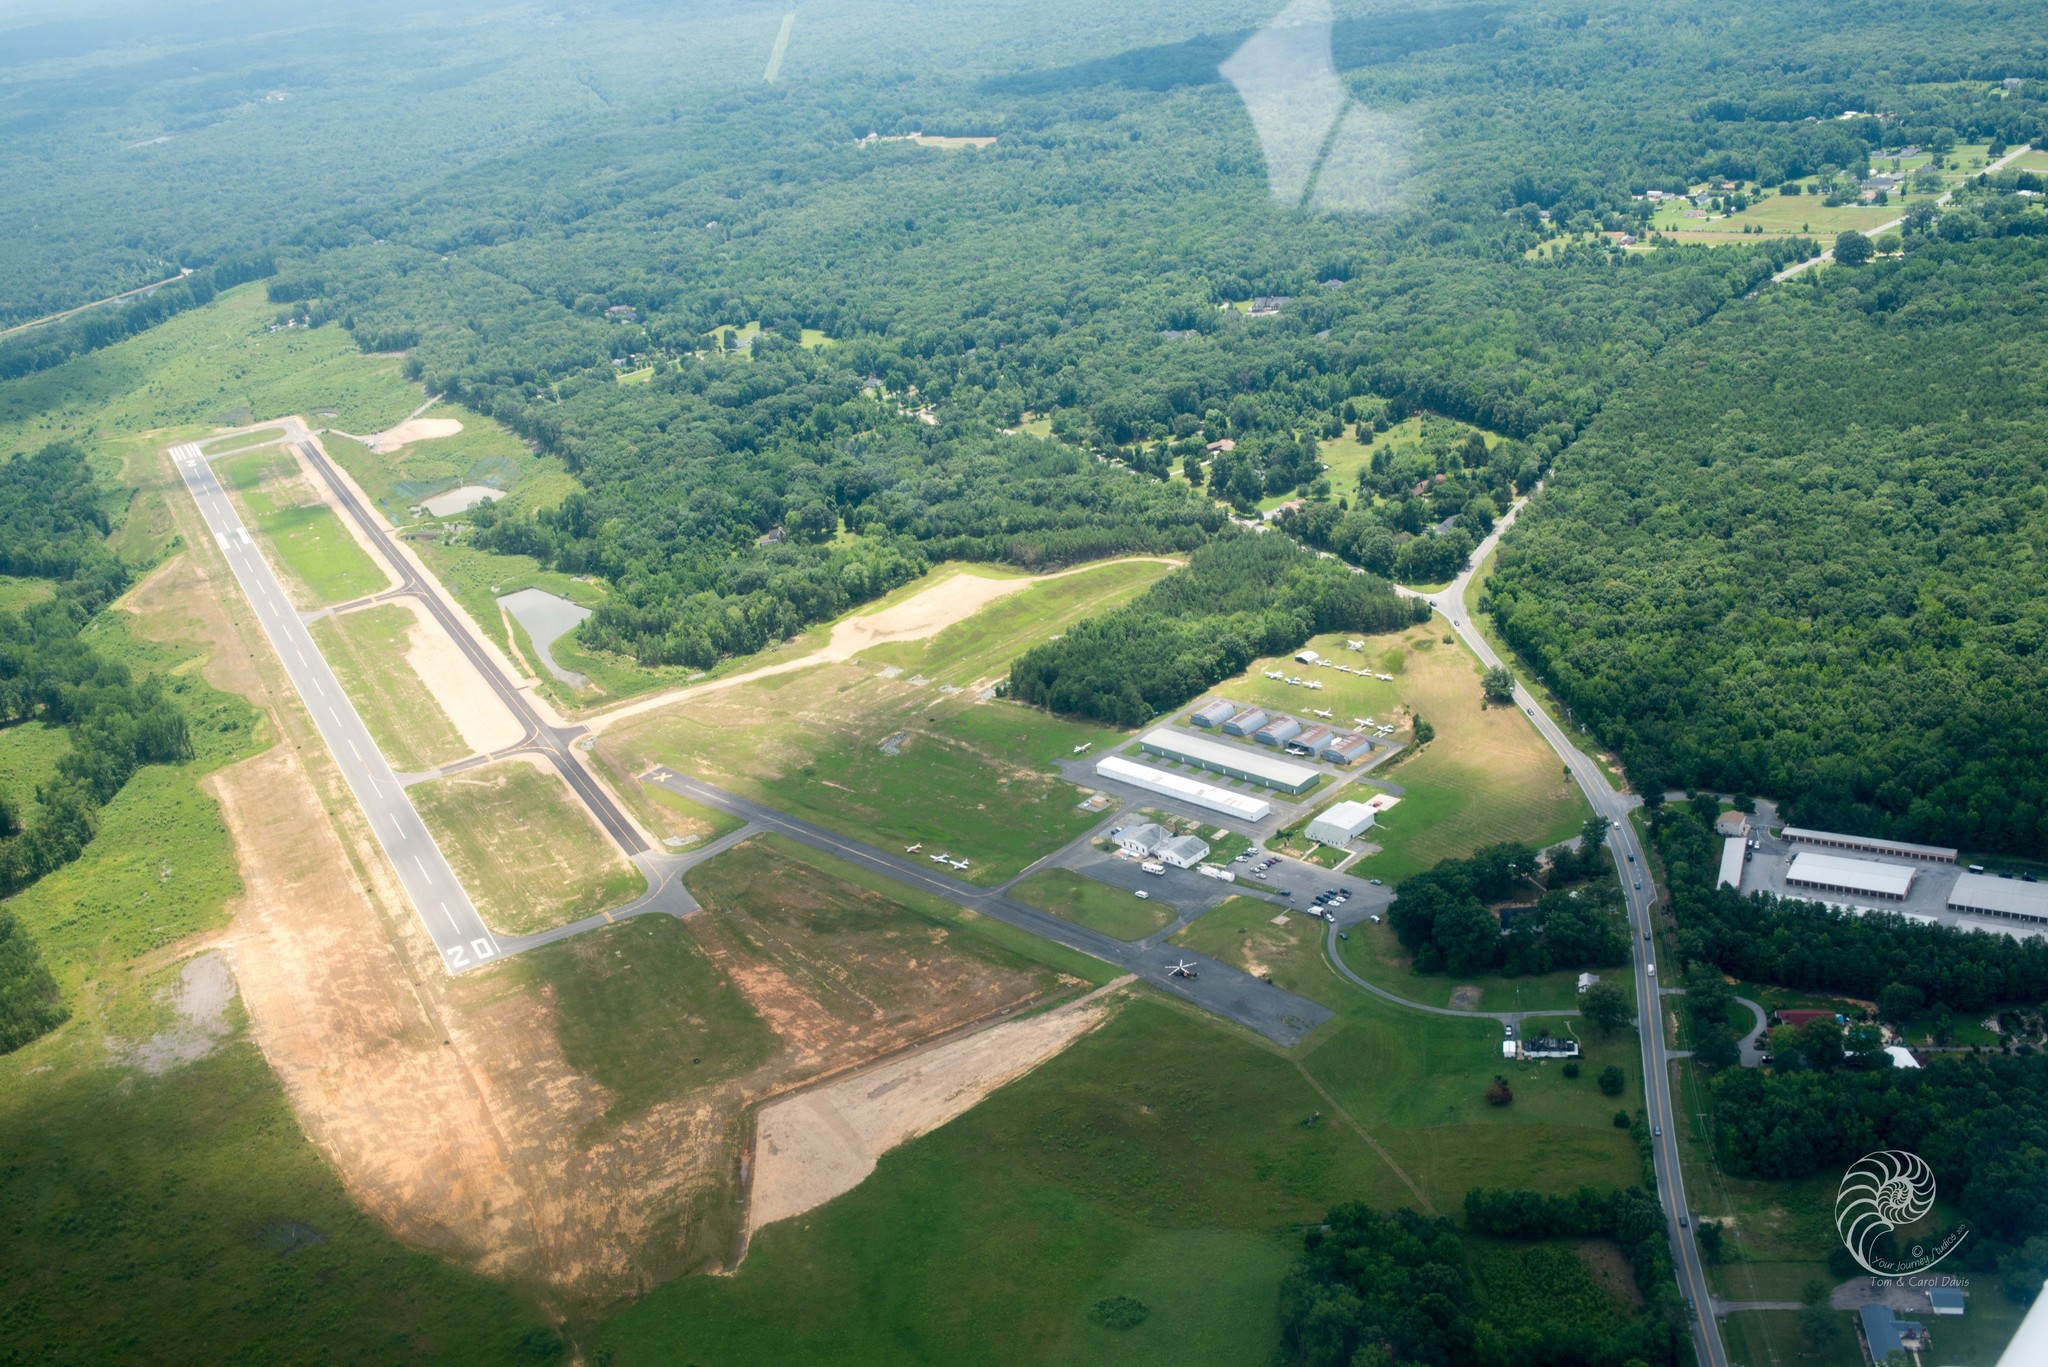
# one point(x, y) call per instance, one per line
point(818, 1144)
point(917, 617)
point(200, 1001)
point(463, 693)
point(412, 430)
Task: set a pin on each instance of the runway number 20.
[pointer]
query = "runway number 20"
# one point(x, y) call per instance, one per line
point(458, 955)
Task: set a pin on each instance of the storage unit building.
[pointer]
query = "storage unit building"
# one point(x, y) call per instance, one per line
point(1233, 761)
point(1982, 894)
point(1852, 877)
point(1898, 849)
point(1215, 714)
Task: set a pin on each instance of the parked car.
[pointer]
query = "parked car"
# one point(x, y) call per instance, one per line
point(1375, 882)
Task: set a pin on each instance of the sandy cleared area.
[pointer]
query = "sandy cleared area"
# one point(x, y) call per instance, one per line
point(822, 1143)
point(465, 695)
point(412, 430)
point(923, 614)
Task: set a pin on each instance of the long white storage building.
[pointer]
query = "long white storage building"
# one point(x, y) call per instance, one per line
point(1731, 863)
point(1984, 895)
point(1855, 877)
point(1868, 845)
point(1205, 795)
point(1234, 761)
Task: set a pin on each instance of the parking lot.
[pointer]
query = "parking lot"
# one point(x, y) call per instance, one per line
point(1766, 867)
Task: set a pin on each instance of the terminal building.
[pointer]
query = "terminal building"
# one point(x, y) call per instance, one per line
point(1981, 894)
point(1183, 789)
point(1232, 761)
point(1865, 845)
point(1850, 877)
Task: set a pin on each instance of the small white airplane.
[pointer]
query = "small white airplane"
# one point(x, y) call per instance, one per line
point(1315, 683)
point(1273, 674)
point(1083, 747)
point(1361, 723)
point(1354, 645)
point(1295, 680)
point(937, 858)
point(913, 849)
point(1320, 713)
point(1384, 678)
point(1183, 969)
point(958, 863)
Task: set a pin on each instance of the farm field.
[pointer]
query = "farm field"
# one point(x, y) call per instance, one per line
point(1099, 906)
point(1162, 1157)
point(1783, 214)
point(526, 851)
point(367, 650)
point(321, 558)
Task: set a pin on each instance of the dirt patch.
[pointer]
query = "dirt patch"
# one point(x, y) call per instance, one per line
point(200, 1001)
point(412, 430)
point(1465, 998)
point(1610, 1267)
point(465, 695)
point(923, 614)
point(822, 1143)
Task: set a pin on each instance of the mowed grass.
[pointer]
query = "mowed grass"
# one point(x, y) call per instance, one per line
point(1163, 1157)
point(1417, 1082)
point(974, 780)
point(1099, 906)
point(1487, 777)
point(640, 1007)
point(306, 535)
point(29, 752)
point(526, 851)
point(367, 650)
point(984, 645)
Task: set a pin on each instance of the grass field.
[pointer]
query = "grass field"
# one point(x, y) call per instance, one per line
point(1098, 906)
point(483, 452)
point(975, 780)
point(367, 650)
point(18, 595)
point(1347, 455)
point(306, 535)
point(29, 752)
point(640, 1007)
point(1162, 1157)
point(527, 853)
point(984, 645)
point(1487, 777)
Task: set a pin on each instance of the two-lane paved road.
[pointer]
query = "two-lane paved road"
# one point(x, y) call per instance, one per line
point(458, 932)
point(1639, 891)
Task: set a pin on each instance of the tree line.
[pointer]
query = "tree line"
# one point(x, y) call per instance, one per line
point(1241, 596)
point(1444, 915)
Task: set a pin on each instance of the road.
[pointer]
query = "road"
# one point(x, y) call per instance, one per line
point(1639, 891)
point(1228, 992)
point(1881, 228)
point(110, 299)
point(458, 932)
point(537, 736)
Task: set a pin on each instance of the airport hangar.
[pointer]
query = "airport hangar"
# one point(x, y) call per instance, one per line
point(1232, 761)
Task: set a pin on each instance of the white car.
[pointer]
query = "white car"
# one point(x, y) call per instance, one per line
point(1653, 970)
point(1144, 896)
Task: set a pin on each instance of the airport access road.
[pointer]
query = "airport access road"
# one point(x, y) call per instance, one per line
point(1639, 891)
point(538, 736)
point(458, 932)
point(1236, 996)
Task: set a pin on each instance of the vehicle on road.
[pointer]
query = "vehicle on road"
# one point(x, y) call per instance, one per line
point(1143, 895)
point(1375, 882)
point(1653, 970)
point(1154, 867)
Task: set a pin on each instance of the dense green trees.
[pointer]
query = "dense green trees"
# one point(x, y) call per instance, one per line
point(1240, 597)
point(53, 520)
point(1443, 916)
point(1802, 555)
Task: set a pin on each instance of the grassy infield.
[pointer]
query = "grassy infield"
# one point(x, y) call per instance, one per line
point(1165, 1157)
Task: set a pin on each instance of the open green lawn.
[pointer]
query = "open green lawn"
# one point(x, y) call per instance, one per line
point(1800, 213)
point(640, 1007)
point(1099, 906)
point(1771, 1338)
point(1163, 1157)
point(528, 855)
point(367, 650)
point(29, 752)
point(18, 595)
point(984, 645)
point(306, 535)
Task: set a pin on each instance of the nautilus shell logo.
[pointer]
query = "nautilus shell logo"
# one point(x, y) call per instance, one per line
point(1886, 1191)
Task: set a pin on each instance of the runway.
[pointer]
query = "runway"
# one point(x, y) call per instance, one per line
point(458, 932)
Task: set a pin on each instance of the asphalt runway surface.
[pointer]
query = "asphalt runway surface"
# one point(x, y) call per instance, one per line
point(458, 932)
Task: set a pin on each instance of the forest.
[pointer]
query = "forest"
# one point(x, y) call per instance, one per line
point(1802, 556)
point(1445, 916)
point(1398, 1289)
point(54, 516)
point(1241, 596)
